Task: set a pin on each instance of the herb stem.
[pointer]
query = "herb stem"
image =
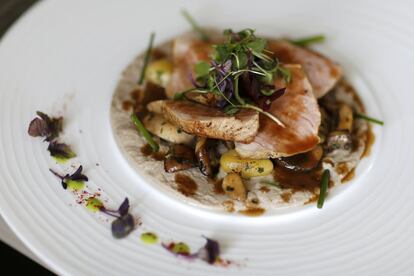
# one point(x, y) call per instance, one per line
point(369, 119)
point(56, 174)
point(221, 92)
point(271, 116)
point(202, 34)
point(308, 40)
point(146, 59)
point(236, 91)
point(324, 188)
point(144, 132)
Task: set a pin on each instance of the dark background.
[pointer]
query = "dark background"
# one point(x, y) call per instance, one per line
point(11, 260)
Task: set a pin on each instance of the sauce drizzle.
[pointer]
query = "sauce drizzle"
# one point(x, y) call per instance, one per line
point(186, 185)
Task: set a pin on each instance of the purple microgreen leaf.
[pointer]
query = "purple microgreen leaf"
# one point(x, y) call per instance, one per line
point(210, 251)
point(227, 66)
point(124, 207)
point(76, 176)
point(60, 150)
point(122, 226)
point(44, 126)
point(38, 127)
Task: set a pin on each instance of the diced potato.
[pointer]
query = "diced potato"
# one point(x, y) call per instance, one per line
point(159, 72)
point(345, 118)
point(233, 186)
point(231, 162)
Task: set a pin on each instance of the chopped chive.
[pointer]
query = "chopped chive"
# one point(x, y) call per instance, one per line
point(324, 187)
point(202, 34)
point(146, 59)
point(144, 132)
point(369, 119)
point(308, 40)
point(271, 183)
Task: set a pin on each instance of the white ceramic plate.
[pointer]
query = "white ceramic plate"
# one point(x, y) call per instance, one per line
point(65, 57)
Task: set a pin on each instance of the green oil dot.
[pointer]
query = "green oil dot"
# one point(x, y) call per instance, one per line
point(181, 248)
point(93, 204)
point(149, 238)
point(75, 185)
point(60, 160)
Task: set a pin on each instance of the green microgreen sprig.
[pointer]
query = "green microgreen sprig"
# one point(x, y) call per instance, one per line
point(242, 53)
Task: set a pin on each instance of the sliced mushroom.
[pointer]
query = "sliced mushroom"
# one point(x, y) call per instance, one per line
point(206, 156)
point(339, 140)
point(180, 158)
point(303, 162)
point(345, 116)
point(324, 127)
point(233, 186)
point(157, 125)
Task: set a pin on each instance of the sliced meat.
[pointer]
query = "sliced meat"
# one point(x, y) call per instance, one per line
point(210, 122)
point(159, 126)
point(187, 51)
point(321, 71)
point(298, 110)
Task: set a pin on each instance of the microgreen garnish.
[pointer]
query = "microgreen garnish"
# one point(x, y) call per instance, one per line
point(196, 28)
point(209, 253)
point(61, 151)
point(324, 188)
point(369, 119)
point(146, 59)
point(45, 126)
point(124, 222)
point(77, 176)
point(242, 74)
point(144, 132)
point(306, 41)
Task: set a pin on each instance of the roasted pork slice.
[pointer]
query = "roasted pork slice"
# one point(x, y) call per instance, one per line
point(321, 71)
point(187, 52)
point(298, 110)
point(211, 122)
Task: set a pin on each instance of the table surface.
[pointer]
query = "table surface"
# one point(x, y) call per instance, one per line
point(10, 10)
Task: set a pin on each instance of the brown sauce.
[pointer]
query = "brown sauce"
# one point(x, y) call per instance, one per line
point(127, 105)
point(286, 196)
point(253, 212)
point(229, 205)
point(264, 189)
point(349, 176)
point(370, 139)
point(217, 186)
point(296, 181)
point(146, 150)
point(314, 198)
point(186, 185)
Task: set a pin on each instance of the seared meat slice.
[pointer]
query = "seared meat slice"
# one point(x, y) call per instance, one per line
point(322, 72)
point(298, 110)
point(187, 51)
point(210, 122)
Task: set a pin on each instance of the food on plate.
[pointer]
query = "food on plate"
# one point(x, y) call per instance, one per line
point(244, 122)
